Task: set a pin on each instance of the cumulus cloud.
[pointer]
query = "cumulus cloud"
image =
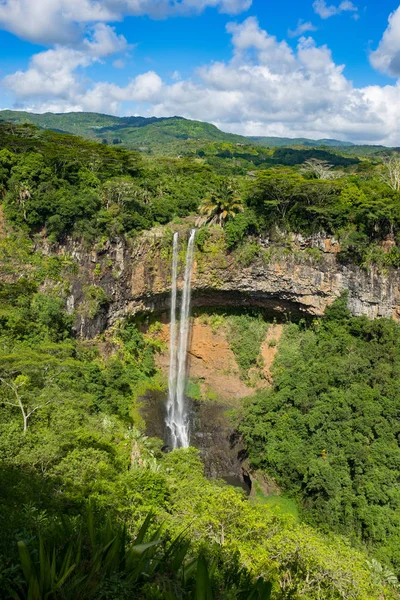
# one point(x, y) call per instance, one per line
point(50, 73)
point(103, 41)
point(386, 57)
point(266, 88)
point(53, 72)
point(302, 27)
point(325, 11)
point(61, 21)
point(250, 40)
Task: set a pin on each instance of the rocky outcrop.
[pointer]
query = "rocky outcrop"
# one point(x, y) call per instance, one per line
point(301, 277)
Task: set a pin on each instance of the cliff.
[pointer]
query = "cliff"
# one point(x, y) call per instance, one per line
point(292, 275)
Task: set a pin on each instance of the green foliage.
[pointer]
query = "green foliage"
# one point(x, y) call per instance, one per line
point(28, 314)
point(247, 253)
point(357, 211)
point(56, 184)
point(278, 503)
point(239, 227)
point(202, 236)
point(246, 334)
point(328, 430)
point(63, 185)
point(159, 136)
point(80, 444)
point(93, 560)
point(69, 415)
point(222, 204)
point(293, 156)
point(95, 300)
point(301, 563)
point(138, 350)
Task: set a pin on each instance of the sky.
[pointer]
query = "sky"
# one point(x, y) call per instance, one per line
point(312, 68)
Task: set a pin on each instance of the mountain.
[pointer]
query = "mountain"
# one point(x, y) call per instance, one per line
point(167, 135)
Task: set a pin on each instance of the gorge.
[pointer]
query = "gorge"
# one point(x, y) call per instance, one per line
point(288, 280)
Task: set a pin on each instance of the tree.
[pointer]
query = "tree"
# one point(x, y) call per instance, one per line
point(274, 194)
point(21, 402)
point(221, 204)
point(391, 172)
point(320, 169)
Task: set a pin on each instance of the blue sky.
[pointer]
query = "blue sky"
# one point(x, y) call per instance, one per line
point(319, 68)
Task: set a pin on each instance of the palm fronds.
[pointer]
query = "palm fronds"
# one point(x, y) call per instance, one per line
point(221, 204)
point(99, 561)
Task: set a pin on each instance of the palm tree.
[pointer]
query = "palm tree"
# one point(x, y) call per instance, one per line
point(221, 204)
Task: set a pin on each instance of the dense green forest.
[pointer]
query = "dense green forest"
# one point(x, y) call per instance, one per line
point(92, 508)
point(329, 428)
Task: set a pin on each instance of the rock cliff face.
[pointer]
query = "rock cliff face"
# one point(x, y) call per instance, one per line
point(121, 279)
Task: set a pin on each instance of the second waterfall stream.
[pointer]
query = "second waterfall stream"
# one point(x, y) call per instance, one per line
point(177, 419)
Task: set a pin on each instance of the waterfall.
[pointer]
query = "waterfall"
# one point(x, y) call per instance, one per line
point(172, 337)
point(177, 417)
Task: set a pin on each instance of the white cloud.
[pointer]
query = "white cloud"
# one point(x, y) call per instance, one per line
point(248, 38)
point(61, 21)
point(53, 83)
point(325, 11)
point(302, 27)
point(103, 41)
point(386, 57)
point(50, 73)
point(53, 72)
point(265, 89)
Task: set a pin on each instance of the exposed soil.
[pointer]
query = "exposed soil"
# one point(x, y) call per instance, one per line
point(213, 365)
point(269, 349)
point(211, 362)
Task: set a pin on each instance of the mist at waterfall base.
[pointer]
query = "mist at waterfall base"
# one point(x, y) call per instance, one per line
point(177, 418)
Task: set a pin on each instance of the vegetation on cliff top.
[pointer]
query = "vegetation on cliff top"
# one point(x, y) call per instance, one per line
point(62, 185)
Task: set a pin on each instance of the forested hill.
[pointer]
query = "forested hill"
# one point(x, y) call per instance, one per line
point(157, 135)
point(285, 141)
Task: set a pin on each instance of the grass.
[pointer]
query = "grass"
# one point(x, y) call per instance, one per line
point(280, 504)
point(246, 334)
point(193, 390)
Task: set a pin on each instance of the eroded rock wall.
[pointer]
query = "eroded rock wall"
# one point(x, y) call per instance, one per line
point(114, 280)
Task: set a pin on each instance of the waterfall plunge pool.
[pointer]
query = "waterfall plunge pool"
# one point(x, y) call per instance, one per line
point(210, 432)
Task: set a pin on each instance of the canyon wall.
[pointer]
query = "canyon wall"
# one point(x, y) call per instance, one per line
point(298, 276)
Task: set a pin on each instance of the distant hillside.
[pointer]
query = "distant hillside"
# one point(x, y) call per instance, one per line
point(146, 134)
point(283, 141)
point(79, 123)
point(168, 135)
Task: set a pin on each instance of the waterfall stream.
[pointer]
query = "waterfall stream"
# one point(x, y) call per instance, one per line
point(177, 416)
point(172, 344)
